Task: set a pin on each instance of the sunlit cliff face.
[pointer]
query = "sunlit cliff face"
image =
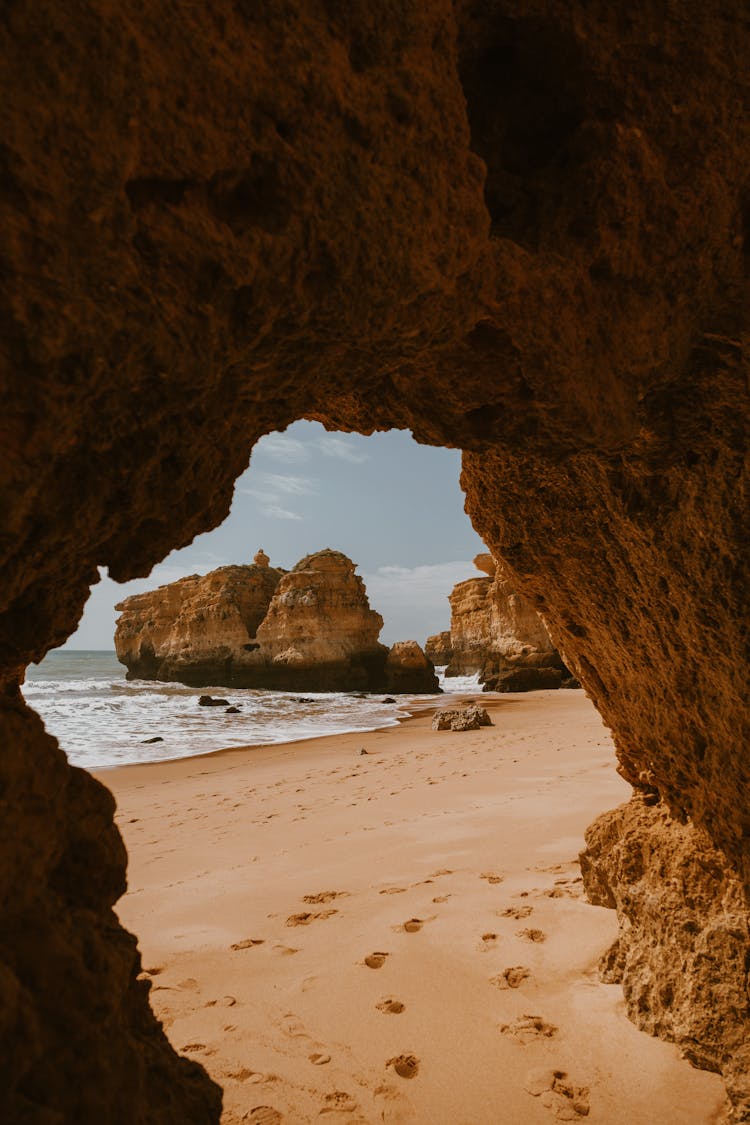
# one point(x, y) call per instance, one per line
point(520, 231)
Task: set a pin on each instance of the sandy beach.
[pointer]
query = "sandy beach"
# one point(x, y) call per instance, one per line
point(398, 935)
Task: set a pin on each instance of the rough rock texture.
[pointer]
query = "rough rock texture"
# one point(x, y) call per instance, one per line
point(681, 954)
point(438, 648)
point(498, 633)
point(520, 228)
point(195, 630)
point(407, 670)
point(463, 718)
point(260, 627)
point(80, 1043)
point(319, 633)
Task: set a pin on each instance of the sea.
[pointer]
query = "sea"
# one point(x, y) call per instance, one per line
point(101, 719)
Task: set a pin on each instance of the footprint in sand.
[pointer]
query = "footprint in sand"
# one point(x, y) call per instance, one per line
point(491, 877)
point(375, 960)
point(319, 1059)
point(406, 1066)
point(305, 918)
point(567, 1101)
point(225, 1002)
point(247, 943)
point(393, 1007)
point(190, 1047)
point(442, 871)
point(532, 935)
point(241, 1075)
point(264, 1115)
point(413, 926)
point(442, 898)
point(512, 977)
point(323, 896)
point(527, 1029)
point(517, 912)
point(392, 891)
point(339, 1102)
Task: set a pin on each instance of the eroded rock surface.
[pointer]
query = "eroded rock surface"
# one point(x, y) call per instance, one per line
point(682, 951)
point(408, 669)
point(438, 648)
point(495, 631)
point(196, 630)
point(517, 229)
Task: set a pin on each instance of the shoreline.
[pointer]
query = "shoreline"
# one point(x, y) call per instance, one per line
point(462, 698)
point(309, 916)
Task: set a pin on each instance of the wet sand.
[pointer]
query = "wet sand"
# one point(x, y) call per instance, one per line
point(396, 936)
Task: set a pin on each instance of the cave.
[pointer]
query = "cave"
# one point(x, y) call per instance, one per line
point(517, 229)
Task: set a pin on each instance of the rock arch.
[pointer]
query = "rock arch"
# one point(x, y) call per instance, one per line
point(517, 229)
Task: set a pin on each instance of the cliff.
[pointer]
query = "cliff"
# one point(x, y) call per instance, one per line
point(195, 630)
point(438, 648)
point(309, 629)
point(495, 631)
point(518, 230)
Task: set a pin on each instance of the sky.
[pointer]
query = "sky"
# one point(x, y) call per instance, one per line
point(394, 507)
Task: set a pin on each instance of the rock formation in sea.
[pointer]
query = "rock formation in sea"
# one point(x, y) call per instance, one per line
point(308, 629)
point(438, 648)
point(496, 632)
point(521, 230)
point(196, 629)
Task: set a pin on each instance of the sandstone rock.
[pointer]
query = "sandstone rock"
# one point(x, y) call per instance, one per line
point(408, 670)
point(319, 633)
point(466, 718)
point(260, 558)
point(438, 649)
point(195, 630)
point(515, 261)
point(496, 632)
point(683, 946)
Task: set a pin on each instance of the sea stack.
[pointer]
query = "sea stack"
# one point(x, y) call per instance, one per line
point(194, 630)
point(498, 633)
point(309, 629)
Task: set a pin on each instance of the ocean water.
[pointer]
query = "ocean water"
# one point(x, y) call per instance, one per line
point(101, 719)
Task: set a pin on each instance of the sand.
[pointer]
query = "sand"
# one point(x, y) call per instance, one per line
point(400, 935)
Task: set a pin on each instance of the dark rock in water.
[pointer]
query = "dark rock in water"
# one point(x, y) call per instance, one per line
point(232, 711)
point(304, 699)
point(360, 695)
point(209, 701)
point(148, 741)
point(388, 699)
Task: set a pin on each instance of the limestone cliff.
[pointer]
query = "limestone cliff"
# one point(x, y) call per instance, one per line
point(521, 229)
point(495, 631)
point(408, 669)
point(319, 633)
point(197, 629)
point(438, 648)
point(681, 954)
point(310, 629)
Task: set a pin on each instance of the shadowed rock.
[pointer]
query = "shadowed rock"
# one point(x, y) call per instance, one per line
point(518, 230)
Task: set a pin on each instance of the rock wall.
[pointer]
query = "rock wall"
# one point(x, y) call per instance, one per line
point(438, 648)
point(495, 631)
point(520, 228)
point(309, 629)
point(195, 630)
point(681, 954)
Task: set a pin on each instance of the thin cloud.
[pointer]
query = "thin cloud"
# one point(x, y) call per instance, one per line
point(342, 450)
point(276, 512)
point(281, 447)
point(290, 485)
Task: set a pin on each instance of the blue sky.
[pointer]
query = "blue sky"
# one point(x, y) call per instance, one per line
point(393, 506)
